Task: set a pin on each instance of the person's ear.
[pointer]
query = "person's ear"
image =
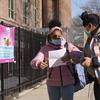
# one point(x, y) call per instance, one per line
point(91, 27)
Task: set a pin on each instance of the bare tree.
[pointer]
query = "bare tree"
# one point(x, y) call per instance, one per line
point(76, 21)
point(93, 6)
point(77, 31)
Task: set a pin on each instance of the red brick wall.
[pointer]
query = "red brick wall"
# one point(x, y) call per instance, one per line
point(64, 13)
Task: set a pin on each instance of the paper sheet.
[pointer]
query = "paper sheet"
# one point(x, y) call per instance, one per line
point(55, 57)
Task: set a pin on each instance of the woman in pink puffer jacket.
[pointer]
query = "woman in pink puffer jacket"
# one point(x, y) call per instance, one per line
point(59, 79)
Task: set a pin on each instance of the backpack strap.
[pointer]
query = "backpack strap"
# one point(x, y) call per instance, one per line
point(67, 50)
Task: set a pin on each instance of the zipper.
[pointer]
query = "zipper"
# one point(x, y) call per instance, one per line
point(49, 76)
point(61, 76)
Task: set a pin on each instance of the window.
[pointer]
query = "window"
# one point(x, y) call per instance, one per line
point(36, 17)
point(44, 13)
point(55, 8)
point(11, 9)
point(25, 11)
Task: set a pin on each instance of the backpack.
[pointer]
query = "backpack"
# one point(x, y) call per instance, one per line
point(78, 74)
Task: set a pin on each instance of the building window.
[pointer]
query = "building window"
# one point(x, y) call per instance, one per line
point(25, 11)
point(44, 13)
point(36, 17)
point(55, 8)
point(11, 9)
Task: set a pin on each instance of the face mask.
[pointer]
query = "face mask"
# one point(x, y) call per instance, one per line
point(88, 33)
point(56, 41)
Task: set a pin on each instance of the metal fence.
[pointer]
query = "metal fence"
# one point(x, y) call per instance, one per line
point(14, 77)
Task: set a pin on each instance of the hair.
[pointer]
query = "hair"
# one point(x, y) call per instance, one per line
point(53, 23)
point(90, 18)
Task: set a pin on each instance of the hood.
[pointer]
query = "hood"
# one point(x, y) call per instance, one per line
point(63, 39)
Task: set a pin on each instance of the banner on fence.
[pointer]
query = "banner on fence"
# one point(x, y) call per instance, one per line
point(7, 44)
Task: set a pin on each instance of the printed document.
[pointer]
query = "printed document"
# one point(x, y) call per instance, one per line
point(55, 57)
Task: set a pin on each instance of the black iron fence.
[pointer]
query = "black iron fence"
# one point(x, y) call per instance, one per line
point(14, 77)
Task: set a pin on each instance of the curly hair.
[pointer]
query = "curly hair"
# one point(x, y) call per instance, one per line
point(53, 23)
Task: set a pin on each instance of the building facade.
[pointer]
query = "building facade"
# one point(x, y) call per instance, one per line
point(60, 9)
point(28, 15)
point(35, 13)
point(21, 13)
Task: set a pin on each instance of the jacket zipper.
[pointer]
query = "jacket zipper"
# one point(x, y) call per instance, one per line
point(61, 76)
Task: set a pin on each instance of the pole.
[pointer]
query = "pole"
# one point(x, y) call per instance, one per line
point(19, 70)
point(2, 76)
point(2, 82)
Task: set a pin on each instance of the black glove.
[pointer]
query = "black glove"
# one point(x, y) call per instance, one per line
point(95, 62)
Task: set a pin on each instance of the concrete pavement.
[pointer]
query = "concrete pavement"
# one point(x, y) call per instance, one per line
point(40, 93)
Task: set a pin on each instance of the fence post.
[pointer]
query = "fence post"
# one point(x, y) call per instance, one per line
point(19, 70)
point(2, 82)
point(2, 76)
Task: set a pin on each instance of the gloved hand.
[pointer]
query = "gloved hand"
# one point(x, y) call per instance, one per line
point(95, 62)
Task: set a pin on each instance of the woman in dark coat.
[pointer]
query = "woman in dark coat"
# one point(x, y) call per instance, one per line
point(91, 23)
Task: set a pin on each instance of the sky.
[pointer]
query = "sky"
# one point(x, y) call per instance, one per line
point(76, 7)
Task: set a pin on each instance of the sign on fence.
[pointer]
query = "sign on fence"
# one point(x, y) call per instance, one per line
point(7, 44)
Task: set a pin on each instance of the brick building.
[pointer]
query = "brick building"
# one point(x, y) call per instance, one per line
point(32, 14)
point(28, 14)
point(59, 9)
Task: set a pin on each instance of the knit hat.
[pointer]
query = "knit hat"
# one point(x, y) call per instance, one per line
point(55, 28)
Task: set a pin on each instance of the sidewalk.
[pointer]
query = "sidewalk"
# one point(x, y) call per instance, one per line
point(40, 93)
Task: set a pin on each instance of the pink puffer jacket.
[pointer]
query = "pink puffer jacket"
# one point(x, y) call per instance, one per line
point(57, 76)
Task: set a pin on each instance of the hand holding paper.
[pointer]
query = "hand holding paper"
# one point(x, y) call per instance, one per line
point(43, 65)
point(65, 58)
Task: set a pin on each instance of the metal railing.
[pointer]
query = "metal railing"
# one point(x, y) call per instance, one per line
point(15, 77)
